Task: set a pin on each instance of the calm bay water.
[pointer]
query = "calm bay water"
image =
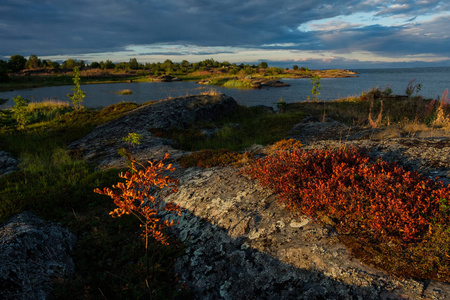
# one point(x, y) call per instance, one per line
point(434, 82)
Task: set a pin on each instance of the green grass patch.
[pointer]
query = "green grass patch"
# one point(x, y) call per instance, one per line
point(244, 127)
point(237, 83)
point(125, 92)
point(57, 186)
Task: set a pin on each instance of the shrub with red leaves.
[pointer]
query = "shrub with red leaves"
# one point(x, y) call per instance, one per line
point(379, 200)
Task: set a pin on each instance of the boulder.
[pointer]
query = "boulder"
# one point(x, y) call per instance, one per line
point(166, 78)
point(33, 253)
point(258, 83)
point(101, 145)
point(8, 163)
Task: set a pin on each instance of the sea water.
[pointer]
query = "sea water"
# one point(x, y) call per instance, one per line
point(433, 81)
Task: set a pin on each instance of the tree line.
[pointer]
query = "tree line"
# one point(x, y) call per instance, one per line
point(18, 63)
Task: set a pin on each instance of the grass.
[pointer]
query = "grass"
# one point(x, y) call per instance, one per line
point(355, 110)
point(17, 82)
point(243, 128)
point(58, 186)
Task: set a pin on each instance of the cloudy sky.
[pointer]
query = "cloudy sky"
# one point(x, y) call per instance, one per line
point(312, 33)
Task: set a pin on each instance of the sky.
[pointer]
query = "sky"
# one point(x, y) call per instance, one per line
point(312, 33)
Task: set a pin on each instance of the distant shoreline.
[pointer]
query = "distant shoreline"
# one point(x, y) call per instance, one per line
point(27, 79)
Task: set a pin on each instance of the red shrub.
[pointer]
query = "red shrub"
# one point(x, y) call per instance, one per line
point(378, 199)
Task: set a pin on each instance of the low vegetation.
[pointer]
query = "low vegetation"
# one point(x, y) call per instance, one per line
point(393, 219)
point(19, 72)
point(125, 92)
point(369, 202)
point(380, 107)
point(58, 186)
point(236, 131)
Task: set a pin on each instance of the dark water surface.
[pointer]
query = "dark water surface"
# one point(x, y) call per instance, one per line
point(434, 82)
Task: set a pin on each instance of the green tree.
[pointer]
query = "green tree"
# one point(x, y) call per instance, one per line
point(95, 65)
point(46, 63)
point(3, 71)
point(72, 63)
point(50, 64)
point(133, 64)
point(78, 95)
point(107, 65)
point(295, 67)
point(263, 65)
point(55, 65)
point(20, 110)
point(33, 62)
point(69, 64)
point(16, 63)
point(167, 66)
point(315, 81)
point(185, 63)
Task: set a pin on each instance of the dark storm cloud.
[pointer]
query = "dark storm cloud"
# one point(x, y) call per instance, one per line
point(63, 27)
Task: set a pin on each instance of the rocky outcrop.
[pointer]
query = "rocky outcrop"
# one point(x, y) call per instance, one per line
point(165, 78)
point(259, 83)
point(33, 253)
point(101, 145)
point(241, 243)
point(8, 163)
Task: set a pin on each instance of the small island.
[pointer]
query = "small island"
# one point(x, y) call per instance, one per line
point(19, 74)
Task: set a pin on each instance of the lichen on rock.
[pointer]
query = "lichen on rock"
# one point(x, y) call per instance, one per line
point(33, 253)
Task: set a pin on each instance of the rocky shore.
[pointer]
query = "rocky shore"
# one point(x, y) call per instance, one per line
point(240, 242)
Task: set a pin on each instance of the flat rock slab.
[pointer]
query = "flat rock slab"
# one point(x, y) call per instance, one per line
point(242, 244)
point(33, 253)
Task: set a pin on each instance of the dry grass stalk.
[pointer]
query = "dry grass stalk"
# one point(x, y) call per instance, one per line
point(377, 122)
point(442, 119)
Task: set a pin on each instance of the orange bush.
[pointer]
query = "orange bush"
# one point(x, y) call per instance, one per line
point(142, 195)
point(378, 200)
